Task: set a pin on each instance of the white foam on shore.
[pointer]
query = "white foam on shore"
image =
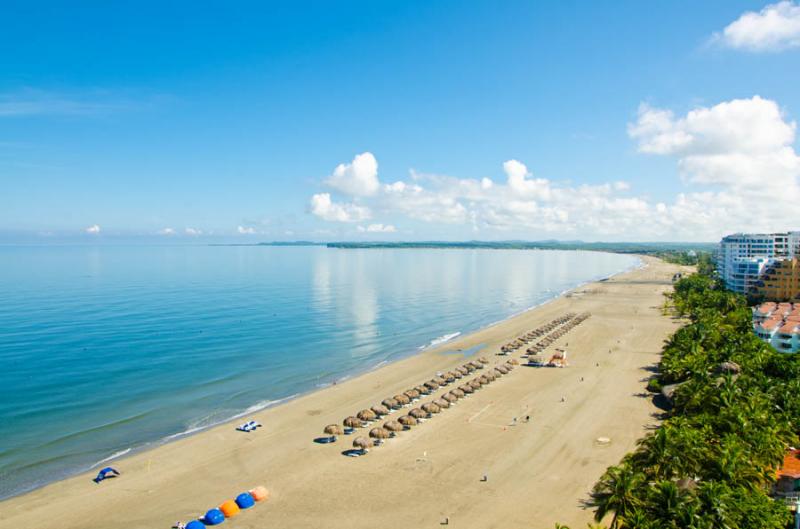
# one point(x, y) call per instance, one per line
point(441, 339)
point(113, 456)
point(204, 424)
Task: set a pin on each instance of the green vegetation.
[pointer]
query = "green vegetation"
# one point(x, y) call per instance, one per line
point(702, 259)
point(711, 463)
point(671, 249)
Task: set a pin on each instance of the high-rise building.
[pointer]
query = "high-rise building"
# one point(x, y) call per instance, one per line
point(780, 281)
point(743, 257)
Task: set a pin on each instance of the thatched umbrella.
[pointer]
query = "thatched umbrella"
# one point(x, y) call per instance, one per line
point(483, 360)
point(352, 422)
point(514, 362)
point(417, 413)
point(362, 443)
point(456, 374)
point(458, 392)
point(333, 430)
point(475, 384)
point(466, 388)
point(402, 399)
point(391, 404)
point(380, 433)
point(367, 415)
point(469, 367)
point(483, 380)
point(407, 420)
point(440, 381)
point(477, 365)
point(442, 403)
point(411, 394)
point(449, 377)
point(423, 390)
point(503, 370)
point(463, 370)
point(393, 426)
point(449, 397)
point(430, 407)
point(380, 410)
point(432, 384)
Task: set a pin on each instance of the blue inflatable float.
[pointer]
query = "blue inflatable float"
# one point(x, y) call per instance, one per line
point(214, 517)
point(245, 500)
point(195, 524)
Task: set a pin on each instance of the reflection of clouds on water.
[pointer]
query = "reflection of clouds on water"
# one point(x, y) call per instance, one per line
point(344, 289)
point(321, 285)
point(363, 306)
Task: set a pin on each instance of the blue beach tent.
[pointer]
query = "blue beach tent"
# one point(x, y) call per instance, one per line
point(195, 524)
point(106, 473)
point(245, 500)
point(214, 517)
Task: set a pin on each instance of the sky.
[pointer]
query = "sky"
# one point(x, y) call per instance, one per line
point(414, 120)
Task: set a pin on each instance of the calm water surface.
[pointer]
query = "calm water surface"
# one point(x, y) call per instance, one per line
point(108, 349)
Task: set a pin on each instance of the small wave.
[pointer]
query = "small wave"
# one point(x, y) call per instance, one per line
point(441, 339)
point(207, 422)
point(113, 456)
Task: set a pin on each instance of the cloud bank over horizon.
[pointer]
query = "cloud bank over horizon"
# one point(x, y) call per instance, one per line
point(735, 158)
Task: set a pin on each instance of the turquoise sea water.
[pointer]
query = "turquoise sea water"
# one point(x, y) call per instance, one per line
point(110, 349)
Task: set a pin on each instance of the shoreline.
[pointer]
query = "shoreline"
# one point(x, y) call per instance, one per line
point(431, 356)
point(258, 407)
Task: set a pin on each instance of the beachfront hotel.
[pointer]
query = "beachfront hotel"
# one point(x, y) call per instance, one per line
point(778, 324)
point(779, 281)
point(744, 258)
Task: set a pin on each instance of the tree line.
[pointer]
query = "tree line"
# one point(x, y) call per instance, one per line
point(734, 410)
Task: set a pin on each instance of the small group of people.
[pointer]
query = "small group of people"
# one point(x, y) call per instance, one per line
point(527, 418)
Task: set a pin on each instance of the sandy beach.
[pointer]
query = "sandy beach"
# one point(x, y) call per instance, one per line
point(539, 472)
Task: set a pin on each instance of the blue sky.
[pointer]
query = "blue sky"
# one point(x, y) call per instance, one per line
point(197, 122)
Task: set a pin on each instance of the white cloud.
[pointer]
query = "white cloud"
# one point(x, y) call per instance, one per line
point(30, 102)
point(736, 160)
point(323, 207)
point(94, 229)
point(742, 151)
point(166, 231)
point(357, 178)
point(194, 232)
point(776, 27)
point(377, 228)
point(246, 230)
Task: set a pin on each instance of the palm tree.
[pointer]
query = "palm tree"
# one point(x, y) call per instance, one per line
point(617, 492)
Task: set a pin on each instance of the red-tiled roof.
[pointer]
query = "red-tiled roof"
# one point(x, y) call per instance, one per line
point(766, 308)
point(770, 324)
point(789, 328)
point(791, 464)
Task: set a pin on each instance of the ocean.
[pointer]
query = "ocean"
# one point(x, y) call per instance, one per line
point(109, 349)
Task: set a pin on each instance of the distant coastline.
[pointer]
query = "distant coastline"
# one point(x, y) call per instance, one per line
point(645, 248)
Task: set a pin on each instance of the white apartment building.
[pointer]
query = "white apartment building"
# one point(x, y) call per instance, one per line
point(743, 256)
point(778, 324)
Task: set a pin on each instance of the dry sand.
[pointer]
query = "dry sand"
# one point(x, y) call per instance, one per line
point(538, 472)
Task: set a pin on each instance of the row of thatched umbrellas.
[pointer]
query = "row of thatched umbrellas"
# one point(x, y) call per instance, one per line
point(523, 340)
point(556, 334)
point(426, 410)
